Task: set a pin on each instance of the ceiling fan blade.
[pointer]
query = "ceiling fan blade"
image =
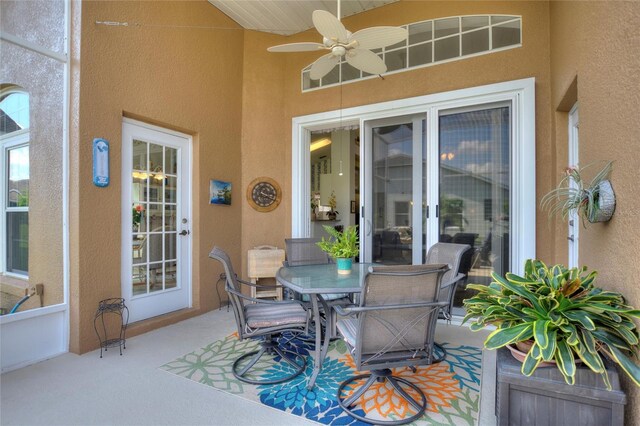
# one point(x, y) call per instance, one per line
point(329, 26)
point(376, 37)
point(297, 47)
point(366, 61)
point(322, 66)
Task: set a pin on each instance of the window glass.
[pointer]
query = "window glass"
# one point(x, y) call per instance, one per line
point(430, 42)
point(445, 27)
point(473, 22)
point(420, 32)
point(396, 60)
point(349, 72)
point(18, 177)
point(447, 48)
point(475, 42)
point(506, 34)
point(420, 54)
point(14, 112)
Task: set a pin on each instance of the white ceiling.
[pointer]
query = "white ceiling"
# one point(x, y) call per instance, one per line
point(287, 17)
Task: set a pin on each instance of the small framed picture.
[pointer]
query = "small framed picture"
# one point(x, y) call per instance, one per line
point(220, 192)
point(353, 206)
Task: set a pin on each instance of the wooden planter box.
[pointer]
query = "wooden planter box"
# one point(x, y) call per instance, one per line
point(545, 399)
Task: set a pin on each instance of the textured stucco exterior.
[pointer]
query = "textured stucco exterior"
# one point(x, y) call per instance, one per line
point(165, 72)
point(597, 44)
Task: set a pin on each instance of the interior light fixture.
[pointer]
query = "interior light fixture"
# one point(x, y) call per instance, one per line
point(320, 143)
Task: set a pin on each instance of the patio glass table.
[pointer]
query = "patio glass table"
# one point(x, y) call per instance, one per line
point(316, 280)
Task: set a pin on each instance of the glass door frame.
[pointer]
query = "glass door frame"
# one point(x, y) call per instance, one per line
point(521, 94)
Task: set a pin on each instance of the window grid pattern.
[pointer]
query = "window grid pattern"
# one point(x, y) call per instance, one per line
point(433, 42)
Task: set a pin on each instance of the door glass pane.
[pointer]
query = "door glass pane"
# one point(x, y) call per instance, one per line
point(474, 191)
point(154, 216)
point(392, 188)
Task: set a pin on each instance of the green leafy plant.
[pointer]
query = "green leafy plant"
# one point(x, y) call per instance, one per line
point(573, 193)
point(565, 316)
point(340, 244)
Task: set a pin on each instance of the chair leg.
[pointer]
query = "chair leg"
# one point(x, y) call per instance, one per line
point(441, 349)
point(348, 404)
point(270, 347)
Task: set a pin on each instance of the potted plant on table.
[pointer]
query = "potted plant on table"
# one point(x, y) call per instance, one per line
point(563, 314)
point(342, 246)
point(594, 201)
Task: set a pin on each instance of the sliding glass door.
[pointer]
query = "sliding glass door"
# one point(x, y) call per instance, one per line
point(394, 152)
point(440, 176)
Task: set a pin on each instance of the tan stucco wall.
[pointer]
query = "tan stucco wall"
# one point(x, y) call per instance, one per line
point(273, 96)
point(174, 69)
point(599, 42)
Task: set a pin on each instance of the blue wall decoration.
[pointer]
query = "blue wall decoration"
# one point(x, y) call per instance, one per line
point(100, 162)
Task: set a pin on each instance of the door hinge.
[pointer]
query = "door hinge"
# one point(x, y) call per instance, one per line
point(427, 212)
point(437, 210)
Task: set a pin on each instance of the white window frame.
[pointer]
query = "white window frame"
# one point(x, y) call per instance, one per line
point(521, 95)
point(9, 142)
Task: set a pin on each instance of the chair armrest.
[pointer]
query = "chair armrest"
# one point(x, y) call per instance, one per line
point(265, 301)
point(453, 281)
point(354, 310)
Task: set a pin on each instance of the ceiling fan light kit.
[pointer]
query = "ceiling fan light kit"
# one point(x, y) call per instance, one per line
point(354, 47)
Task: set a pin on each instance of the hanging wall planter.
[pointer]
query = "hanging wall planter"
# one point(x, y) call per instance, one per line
point(606, 203)
point(594, 202)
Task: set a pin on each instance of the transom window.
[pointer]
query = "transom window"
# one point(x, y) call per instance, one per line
point(14, 138)
point(432, 42)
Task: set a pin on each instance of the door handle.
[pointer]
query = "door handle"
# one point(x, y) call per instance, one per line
point(184, 232)
point(368, 227)
point(570, 238)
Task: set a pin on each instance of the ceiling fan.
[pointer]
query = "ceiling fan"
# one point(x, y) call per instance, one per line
point(355, 48)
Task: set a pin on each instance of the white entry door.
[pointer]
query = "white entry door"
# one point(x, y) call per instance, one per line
point(156, 220)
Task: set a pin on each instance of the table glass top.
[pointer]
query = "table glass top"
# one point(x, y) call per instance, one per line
point(322, 278)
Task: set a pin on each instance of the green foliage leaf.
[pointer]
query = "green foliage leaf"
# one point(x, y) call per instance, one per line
point(504, 336)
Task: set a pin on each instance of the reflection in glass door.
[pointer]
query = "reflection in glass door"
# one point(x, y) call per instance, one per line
point(395, 219)
point(474, 190)
point(154, 202)
point(155, 260)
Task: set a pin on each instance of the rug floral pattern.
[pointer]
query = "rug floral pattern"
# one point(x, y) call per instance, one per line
point(452, 387)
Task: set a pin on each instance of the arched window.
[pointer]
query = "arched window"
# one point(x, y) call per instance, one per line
point(14, 139)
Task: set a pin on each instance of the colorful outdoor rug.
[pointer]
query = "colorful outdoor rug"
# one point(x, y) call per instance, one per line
point(452, 387)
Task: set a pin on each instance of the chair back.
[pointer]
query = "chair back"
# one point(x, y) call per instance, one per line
point(304, 251)
point(231, 284)
point(452, 255)
point(402, 335)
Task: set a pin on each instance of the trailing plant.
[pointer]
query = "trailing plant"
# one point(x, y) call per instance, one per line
point(340, 244)
point(565, 315)
point(573, 193)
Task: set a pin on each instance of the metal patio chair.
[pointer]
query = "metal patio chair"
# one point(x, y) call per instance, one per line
point(265, 320)
point(393, 327)
point(305, 251)
point(450, 254)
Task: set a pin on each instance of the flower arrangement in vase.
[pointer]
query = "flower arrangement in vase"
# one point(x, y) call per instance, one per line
point(594, 202)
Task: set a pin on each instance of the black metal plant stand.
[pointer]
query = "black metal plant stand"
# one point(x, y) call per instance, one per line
point(114, 306)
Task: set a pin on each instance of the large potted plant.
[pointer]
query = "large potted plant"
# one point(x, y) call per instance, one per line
point(594, 201)
point(342, 246)
point(564, 315)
